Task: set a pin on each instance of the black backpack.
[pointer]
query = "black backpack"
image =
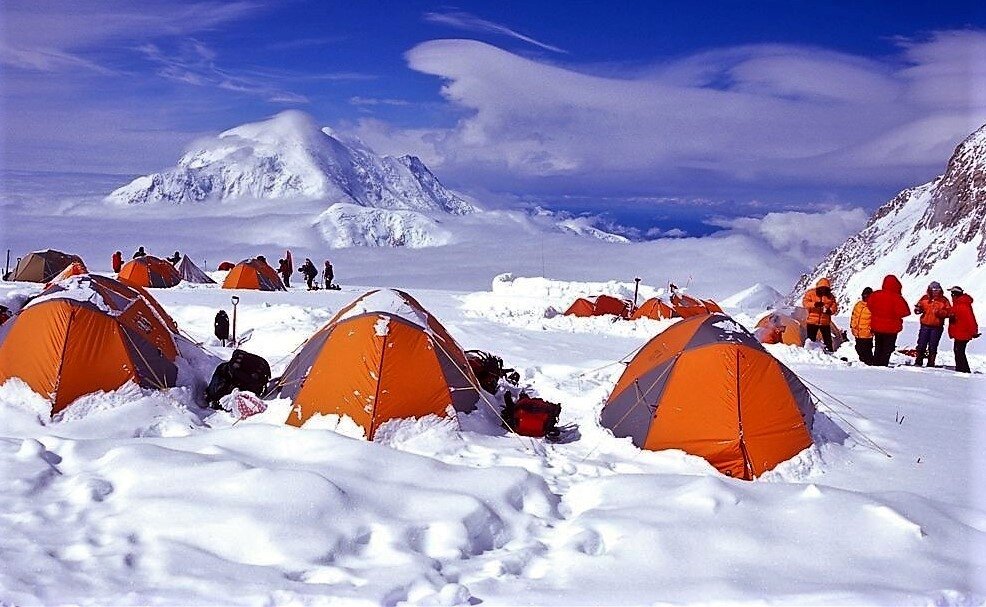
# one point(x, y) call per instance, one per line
point(244, 371)
point(221, 325)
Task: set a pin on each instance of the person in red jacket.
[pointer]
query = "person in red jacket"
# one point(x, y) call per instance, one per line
point(934, 308)
point(117, 261)
point(962, 326)
point(887, 311)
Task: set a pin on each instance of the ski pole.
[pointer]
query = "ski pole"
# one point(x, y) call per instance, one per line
point(235, 300)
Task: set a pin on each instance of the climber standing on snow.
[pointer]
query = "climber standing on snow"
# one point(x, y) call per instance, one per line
point(117, 261)
point(284, 269)
point(887, 311)
point(962, 327)
point(140, 252)
point(934, 308)
point(310, 272)
point(821, 305)
point(328, 274)
point(861, 329)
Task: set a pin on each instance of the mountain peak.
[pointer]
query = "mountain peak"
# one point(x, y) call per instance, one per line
point(289, 156)
point(935, 231)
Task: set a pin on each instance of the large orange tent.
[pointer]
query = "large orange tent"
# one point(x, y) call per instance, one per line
point(42, 266)
point(599, 305)
point(707, 387)
point(653, 308)
point(253, 274)
point(86, 334)
point(149, 271)
point(381, 357)
point(790, 328)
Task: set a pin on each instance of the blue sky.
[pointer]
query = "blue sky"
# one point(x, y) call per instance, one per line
point(725, 105)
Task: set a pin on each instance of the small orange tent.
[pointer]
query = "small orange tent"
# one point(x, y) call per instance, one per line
point(253, 274)
point(791, 328)
point(599, 305)
point(653, 308)
point(687, 306)
point(149, 271)
point(42, 266)
point(86, 334)
point(76, 268)
point(381, 357)
point(707, 387)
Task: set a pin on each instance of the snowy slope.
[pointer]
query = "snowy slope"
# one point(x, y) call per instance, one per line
point(348, 225)
point(138, 497)
point(934, 231)
point(757, 297)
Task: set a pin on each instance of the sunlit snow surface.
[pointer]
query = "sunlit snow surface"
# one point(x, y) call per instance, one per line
point(141, 497)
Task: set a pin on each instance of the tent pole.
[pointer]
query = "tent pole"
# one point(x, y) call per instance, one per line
point(636, 288)
point(6, 265)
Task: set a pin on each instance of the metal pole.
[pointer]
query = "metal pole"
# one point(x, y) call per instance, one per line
point(235, 301)
point(636, 288)
point(6, 265)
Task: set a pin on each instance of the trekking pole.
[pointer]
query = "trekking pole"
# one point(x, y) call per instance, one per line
point(6, 265)
point(235, 300)
point(636, 288)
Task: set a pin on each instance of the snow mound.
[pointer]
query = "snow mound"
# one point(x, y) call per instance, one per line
point(759, 297)
point(345, 225)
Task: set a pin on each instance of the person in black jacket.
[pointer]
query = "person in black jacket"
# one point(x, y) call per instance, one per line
point(140, 252)
point(328, 274)
point(284, 269)
point(310, 272)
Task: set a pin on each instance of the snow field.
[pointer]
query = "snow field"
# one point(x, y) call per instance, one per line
point(141, 497)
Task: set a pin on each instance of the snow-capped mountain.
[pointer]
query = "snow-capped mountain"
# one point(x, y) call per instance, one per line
point(289, 157)
point(930, 232)
point(349, 225)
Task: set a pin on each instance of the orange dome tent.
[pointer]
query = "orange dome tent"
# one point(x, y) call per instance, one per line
point(599, 305)
point(381, 357)
point(86, 334)
point(76, 268)
point(791, 329)
point(687, 306)
point(42, 266)
point(707, 387)
point(149, 271)
point(253, 274)
point(653, 308)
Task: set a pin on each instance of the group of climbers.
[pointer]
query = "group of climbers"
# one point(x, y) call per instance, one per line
point(878, 318)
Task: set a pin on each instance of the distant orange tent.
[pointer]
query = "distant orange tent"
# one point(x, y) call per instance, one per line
point(654, 308)
point(791, 329)
point(149, 272)
point(599, 305)
point(707, 387)
point(687, 306)
point(76, 268)
point(381, 357)
point(86, 334)
point(253, 274)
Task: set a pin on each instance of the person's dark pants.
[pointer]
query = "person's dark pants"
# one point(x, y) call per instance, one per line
point(928, 339)
point(864, 348)
point(826, 331)
point(310, 280)
point(961, 362)
point(883, 347)
point(286, 279)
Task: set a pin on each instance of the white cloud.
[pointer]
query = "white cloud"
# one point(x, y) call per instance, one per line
point(763, 115)
point(471, 23)
point(804, 237)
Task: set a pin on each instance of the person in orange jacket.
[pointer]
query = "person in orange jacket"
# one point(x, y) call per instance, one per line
point(117, 261)
point(962, 327)
point(859, 324)
point(821, 305)
point(934, 308)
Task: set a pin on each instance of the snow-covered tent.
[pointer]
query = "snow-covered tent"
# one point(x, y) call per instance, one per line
point(192, 273)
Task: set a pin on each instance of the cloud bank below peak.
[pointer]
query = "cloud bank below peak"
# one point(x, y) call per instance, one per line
point(758, 114)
